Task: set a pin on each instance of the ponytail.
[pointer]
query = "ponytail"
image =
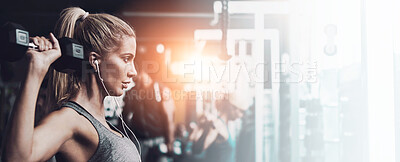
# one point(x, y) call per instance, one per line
point(100, 33)
point(63, 86)
point(65, 26)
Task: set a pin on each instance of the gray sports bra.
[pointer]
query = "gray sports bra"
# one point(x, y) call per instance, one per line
point(111, 147)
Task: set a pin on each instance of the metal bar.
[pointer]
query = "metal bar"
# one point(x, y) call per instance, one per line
point(169, 14)
point(255, 7)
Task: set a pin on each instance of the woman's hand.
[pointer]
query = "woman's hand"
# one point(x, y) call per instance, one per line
point(40, 59)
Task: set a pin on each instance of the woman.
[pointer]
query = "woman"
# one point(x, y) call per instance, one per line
point(77, 130)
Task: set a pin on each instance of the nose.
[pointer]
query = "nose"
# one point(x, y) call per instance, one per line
point(132, 72)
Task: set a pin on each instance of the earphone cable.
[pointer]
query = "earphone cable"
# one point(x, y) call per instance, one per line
point(119, 115)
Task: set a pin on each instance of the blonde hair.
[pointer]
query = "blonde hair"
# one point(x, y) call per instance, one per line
point(100, 33)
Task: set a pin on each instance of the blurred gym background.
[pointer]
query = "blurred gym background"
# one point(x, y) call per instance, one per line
point(312, 80)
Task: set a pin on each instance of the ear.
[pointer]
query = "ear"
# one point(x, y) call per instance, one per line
point(93, 56)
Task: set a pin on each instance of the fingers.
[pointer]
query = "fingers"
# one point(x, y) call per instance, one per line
point(34, 40)
point(38, 41)
point(54, 40)
point(43, 44)
point(47, 44)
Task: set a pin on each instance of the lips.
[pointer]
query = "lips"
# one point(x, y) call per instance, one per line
point(125, 84)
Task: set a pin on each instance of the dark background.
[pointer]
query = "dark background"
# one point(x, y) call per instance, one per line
point(39, 16)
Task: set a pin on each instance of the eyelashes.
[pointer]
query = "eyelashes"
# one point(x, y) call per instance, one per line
point(127, 59)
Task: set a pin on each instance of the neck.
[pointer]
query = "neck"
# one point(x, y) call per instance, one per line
point(92, 103)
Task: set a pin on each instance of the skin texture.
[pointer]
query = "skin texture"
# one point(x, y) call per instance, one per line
point(114, 67)
point(64, 131)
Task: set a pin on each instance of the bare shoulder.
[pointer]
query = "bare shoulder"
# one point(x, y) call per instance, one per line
point(65, 117)
point(58, 132)
point(80, 125)
point(64, 113)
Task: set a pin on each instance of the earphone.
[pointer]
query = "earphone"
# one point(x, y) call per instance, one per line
point(97, 64)
point(98, 69)
point(119, 115)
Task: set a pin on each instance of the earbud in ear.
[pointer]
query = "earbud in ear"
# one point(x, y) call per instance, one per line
point(97, 65)
point(98, 70)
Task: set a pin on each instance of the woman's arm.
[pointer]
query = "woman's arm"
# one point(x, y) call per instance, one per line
point(24, 142)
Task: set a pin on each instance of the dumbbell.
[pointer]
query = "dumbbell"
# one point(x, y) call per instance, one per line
point(14, 42)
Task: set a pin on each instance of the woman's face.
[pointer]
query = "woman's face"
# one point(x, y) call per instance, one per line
point(117, 68)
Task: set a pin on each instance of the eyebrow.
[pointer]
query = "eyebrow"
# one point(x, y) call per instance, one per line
point(131, 54)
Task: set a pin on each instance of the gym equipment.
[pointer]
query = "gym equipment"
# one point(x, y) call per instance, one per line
point(14, 42)
point(72, 56)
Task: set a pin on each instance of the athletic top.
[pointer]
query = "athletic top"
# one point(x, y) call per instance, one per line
point(111, 147)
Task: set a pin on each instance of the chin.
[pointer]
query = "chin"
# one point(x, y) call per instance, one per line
point(120, 93)
point(117, 92)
